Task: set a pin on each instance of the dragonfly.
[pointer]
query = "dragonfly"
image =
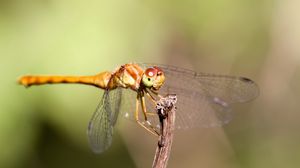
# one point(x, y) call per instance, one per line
point(132, 90)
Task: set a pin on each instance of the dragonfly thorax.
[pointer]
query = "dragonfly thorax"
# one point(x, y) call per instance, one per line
point(127, 76)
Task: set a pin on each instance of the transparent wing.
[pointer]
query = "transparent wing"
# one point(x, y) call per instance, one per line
point(127, 108)
point(205, 100)
point(100, 128)
point(197, 110)
point(231, 89)
point(115, 101)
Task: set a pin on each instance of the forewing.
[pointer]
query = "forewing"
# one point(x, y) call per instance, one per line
point(231, 89)
point(100, 128)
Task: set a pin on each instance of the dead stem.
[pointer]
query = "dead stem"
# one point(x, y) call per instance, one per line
point(166, 110)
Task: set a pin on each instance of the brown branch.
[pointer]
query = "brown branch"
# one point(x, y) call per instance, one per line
point(166, 110)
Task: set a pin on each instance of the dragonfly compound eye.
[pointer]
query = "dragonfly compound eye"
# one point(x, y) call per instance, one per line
point(153, 77)
point(149, 76)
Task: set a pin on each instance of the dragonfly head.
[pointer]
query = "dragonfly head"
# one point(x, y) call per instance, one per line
point(153, 78)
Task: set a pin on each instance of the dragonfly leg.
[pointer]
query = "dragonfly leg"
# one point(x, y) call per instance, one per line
point(152, 100)
point(145, 115)
point(156, 93)
point(150, 97)
point(137, 118)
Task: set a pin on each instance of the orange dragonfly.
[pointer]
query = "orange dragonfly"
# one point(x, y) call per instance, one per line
point(204, 100)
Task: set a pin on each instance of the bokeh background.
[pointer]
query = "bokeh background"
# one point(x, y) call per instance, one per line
point(46, 126)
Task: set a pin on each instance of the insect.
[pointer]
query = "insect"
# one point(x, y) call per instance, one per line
point(204, 100)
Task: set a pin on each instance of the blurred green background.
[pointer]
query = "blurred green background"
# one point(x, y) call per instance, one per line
point(46, 126)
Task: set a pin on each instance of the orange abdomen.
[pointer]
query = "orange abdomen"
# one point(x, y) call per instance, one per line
point(100, 80)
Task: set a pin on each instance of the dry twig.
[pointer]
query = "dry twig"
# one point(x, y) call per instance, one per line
point(166, 110)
